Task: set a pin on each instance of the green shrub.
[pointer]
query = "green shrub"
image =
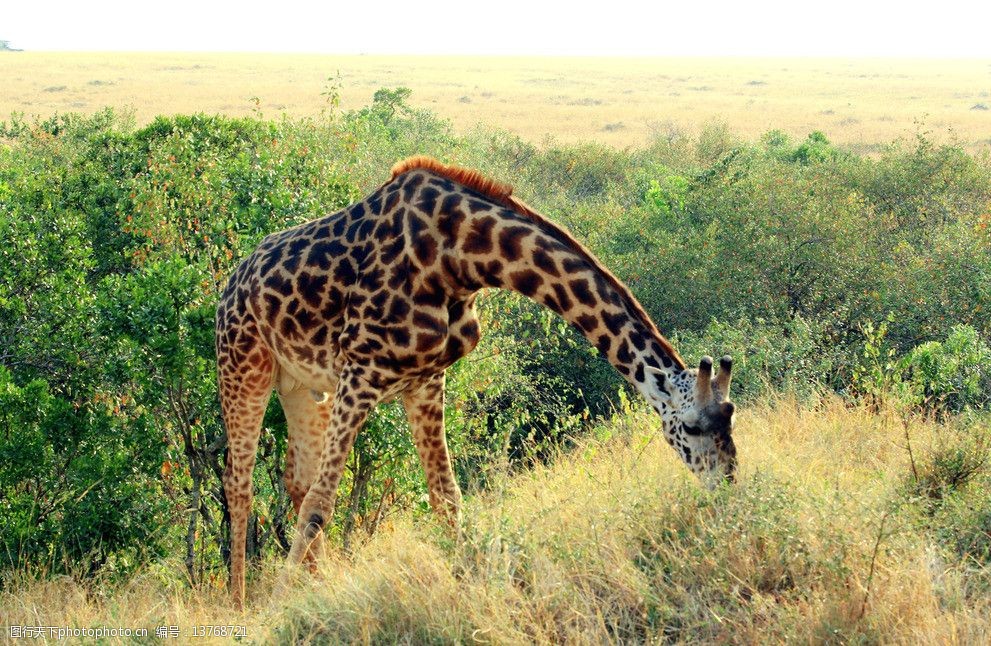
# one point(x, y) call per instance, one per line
point(75, 481)
point(951, 482)
point(667, 195)
point(951, 375)
point(581, 173)
point(963, 525)
point(795, 356)
point(815, 149)
point(924, 187)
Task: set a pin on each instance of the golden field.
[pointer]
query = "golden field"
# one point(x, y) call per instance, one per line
point(620, 102)
point(824, 539)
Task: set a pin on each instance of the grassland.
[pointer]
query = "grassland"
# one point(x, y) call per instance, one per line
point(824, 539)
point(620, 102)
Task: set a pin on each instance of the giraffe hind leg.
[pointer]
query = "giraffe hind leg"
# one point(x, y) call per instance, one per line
point(244, 393)
point(308, 420)
point(353, 400)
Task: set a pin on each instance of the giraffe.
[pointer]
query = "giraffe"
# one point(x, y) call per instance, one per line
point(374, 302)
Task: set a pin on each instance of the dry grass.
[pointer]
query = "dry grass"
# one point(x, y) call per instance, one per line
point(620, 102)
point(614, 542)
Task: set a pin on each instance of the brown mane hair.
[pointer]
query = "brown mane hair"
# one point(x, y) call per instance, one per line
point(470, 178)
point(502, 193)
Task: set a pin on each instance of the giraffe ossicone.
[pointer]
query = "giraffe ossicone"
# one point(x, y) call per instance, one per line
point(375, 301)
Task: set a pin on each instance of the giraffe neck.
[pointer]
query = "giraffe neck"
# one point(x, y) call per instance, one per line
point(514, 248)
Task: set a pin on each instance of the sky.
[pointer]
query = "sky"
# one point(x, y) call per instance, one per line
point(854, 28)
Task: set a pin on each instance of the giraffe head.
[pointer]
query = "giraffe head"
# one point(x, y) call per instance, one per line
point(698, 419)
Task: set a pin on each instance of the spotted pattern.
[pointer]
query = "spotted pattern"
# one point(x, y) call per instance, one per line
point(377, 300)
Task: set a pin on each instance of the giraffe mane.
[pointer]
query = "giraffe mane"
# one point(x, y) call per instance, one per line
point(502, 193)
point(473, 179)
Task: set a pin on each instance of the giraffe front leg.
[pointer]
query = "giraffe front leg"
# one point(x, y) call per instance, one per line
point(353, 401)
point(424, 403)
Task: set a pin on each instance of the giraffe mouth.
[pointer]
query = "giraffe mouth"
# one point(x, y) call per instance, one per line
point(727, 453)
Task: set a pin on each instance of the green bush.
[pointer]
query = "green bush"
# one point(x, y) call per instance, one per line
point(951, 375)
point(795, 356)
point(666, 196)
point(75, 481)
point(815, 149)
point(924, 187)
point(963, 525)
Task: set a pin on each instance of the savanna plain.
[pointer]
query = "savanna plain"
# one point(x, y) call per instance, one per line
point(825, 222)
point(861, 103)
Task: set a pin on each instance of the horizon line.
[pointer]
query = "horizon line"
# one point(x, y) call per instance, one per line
point(748, 56)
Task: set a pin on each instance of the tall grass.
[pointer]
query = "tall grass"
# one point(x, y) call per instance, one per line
point(830, 535)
